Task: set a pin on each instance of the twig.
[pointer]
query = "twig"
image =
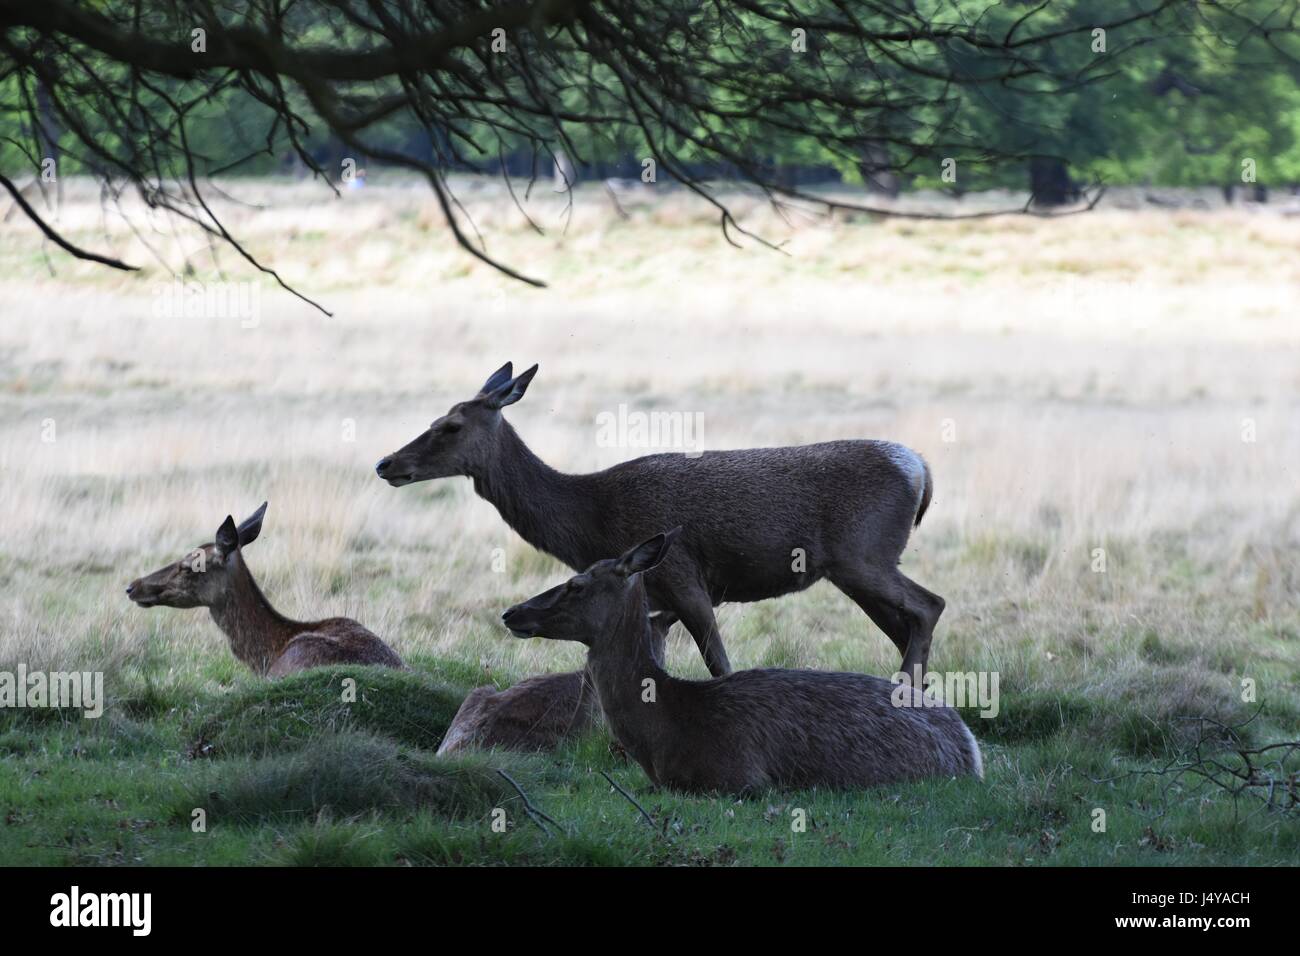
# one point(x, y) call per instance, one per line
point(534, 814)
point(648, 819)
point(1238, 772)
point(510, 188)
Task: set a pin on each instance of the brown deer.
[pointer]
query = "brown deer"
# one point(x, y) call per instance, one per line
point(760, 522)
point(750, 730)
point(538, 713)
point(535, 714)
point(215, 576)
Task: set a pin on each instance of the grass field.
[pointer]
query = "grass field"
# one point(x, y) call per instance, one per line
point(1125, 380)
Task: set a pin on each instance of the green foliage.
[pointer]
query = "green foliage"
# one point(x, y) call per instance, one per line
point(1178, 104)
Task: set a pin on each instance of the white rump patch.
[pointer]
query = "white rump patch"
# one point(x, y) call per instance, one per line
point(909, 463)
point(974, 745)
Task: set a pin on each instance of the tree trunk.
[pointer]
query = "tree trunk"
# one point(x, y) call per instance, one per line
point(1050, 182)
point(876, 173)
point(48, 137)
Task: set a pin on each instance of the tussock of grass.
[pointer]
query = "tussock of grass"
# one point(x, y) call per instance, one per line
point(783, 651)
point(1144, 711)
point(1032, 716)
point(1155, 710)
point(262, 717)
point(344, 774)
point(331, 844)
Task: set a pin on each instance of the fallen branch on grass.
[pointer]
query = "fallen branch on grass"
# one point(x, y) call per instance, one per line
point(645, 816)
point(1270, 772)
point(534, 814)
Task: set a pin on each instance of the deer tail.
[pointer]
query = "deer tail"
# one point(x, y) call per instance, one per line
point(927, 492)
point(975, 759)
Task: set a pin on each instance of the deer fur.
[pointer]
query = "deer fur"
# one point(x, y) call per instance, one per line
point(535, 714)
point(215, 576)
point(538, 713)
point(759, 522)
point(746, 731)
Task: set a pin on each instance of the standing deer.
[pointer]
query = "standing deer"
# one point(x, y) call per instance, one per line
point(538, 713)
point(215, 576)
point(749, 730)
point(759, 522)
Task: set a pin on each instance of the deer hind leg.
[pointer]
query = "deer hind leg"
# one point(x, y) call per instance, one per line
point(538, 713)
point(859, 586)
point(696, 612)
point(900, 607)
point(307, 651)
point(466, 724)
point(924, 607)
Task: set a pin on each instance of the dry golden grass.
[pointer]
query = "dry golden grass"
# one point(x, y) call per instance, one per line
point(1096, 372)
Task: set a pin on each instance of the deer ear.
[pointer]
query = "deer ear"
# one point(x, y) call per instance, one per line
point(251, 526)
point(647, 554)
point(511, 391)
point(498, 378)
point(227, 539)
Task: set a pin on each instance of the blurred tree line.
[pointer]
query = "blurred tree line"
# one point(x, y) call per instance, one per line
point(1180, 108)
point(1054, 96)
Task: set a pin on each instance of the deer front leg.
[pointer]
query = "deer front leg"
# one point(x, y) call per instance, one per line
point(696, 612)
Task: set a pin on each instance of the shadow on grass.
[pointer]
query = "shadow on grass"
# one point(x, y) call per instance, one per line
point(345, 775)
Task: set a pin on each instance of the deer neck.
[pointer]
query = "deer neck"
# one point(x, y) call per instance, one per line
point(258, 633)
point(630, 682)
point(552, 511)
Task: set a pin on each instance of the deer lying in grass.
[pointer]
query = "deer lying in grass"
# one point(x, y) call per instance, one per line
point(749, 730)
point(215, 576)
point(760, 522)
point(538, 713)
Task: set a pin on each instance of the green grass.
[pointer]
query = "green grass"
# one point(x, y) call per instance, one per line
point(344, 774)
point(286, 773)
point(261, 718)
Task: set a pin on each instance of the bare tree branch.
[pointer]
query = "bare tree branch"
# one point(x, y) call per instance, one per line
point(715, 92)
point(53, 235)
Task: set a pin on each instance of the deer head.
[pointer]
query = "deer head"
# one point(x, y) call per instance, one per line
point(462, 441)
point(590, 606)
point(205, 575)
